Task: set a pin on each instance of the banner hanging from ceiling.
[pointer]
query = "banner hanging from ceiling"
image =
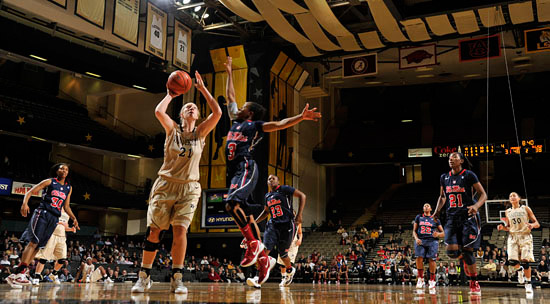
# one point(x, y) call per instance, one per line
point(155, 38)
point(126, 20)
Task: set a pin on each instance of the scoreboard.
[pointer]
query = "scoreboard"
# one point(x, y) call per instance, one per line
point(528, 146)
point(213, 210)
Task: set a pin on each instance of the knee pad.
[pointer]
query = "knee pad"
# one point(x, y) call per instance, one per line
point(525, 265)
point(453, 254)
point(468, 257)
point(43, 261)
point(150, 246)
point(61, 261)
point(513, 262)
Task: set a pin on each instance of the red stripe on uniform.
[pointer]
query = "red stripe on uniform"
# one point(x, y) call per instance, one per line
point(245, 174)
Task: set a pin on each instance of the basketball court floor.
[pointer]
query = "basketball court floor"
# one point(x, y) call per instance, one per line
point(270, 293)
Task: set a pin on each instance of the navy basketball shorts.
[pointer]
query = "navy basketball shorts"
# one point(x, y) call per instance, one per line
point(280, 235)
point(427, 250)
point(463, 230)
point(40, 228)
point(243, 182)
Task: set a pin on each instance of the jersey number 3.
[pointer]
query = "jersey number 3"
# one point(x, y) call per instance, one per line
point(231, 147)
point(276, 211)
point(453, 199)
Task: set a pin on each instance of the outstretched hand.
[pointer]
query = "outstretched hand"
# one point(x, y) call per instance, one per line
point(308, 114)
point(199, 83)
point(227, 64)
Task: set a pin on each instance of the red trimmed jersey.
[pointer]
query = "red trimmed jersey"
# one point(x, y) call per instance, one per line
point(459, 191)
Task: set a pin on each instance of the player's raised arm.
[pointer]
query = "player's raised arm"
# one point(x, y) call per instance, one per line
point(306, 114)
point(440, 201)
point(210, 123)
point(25, 207)
point(160, 112)
point(232, 108)
point(302, 197)
point(535, 223)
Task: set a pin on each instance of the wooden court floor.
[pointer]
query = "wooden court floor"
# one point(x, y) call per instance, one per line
point(270, 293)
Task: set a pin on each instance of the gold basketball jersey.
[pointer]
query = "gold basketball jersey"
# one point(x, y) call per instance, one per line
point(518, 219)
point(182, 155)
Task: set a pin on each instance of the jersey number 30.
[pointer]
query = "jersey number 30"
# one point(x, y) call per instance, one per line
point(57, 202)
point(276, 211)
point(453, 200)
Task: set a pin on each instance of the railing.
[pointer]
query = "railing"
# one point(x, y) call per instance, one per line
point(139, 189)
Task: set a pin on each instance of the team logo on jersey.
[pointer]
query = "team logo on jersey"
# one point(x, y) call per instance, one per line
point(472, 236)
point(273, 202)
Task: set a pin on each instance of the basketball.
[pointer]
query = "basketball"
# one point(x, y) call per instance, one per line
point(179, 82)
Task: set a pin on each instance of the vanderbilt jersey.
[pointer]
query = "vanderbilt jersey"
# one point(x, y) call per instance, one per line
point(518, 219)
point(182, 155)
point(60, 229)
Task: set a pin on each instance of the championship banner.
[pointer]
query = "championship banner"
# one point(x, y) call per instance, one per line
point(5, 186)
point(62, 3)
point(126, 20)
point(537, 40)
point(479, 48)
point(20, 188)
point(92, 11)
point(415, 57)
point(358, 66)
point(155, 38)
point(181, 54)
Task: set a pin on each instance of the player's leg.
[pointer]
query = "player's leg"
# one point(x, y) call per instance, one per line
point(527, 257)
point(471, 241)
point(272, 236)
point(420, 253)
point(431, 254)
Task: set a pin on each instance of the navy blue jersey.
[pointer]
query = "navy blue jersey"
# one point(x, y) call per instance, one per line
point(279, 203)
point(459, 191)
point(54, 197)
point(427, 225)
point(242, 139)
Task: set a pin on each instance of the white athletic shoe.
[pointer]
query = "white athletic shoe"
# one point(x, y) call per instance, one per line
point(88, 280)
point(283, 279)
point(528, 288)
point(431, 284)
point(35, 281)
point(143, 284)
point(108, 280)
point(521, 276)
point(253, 282)
point(420, 283)
point(56, 281)
point(18, 280)
point(290, 277)
point(176, 284)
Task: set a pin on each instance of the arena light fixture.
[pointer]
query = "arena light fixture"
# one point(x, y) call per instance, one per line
point(198, 8)
point(139, 87)
point(407, 120)
point(472, 75)
point(373, 82)
point(38, 138)
point(426, 76)
point(186, 1)
point(93, 74)
point(206, 15)
point(39, 58)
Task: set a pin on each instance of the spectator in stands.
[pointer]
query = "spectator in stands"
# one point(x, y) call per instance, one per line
point(353, 257)
point(542, 269)
point(66, 276)
point(371, 273)
point(407, 274)
point(343, 272)
point(5, 261)
point(333, 274)
point(502, 271)
point(479, 253)
point(374, 235)
point(380, 231)
point(204, 261)
point(320, 272)
point(491, 268)
point(545, 243)
point(453, 274)
point(441, 272)
point(213, 276)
